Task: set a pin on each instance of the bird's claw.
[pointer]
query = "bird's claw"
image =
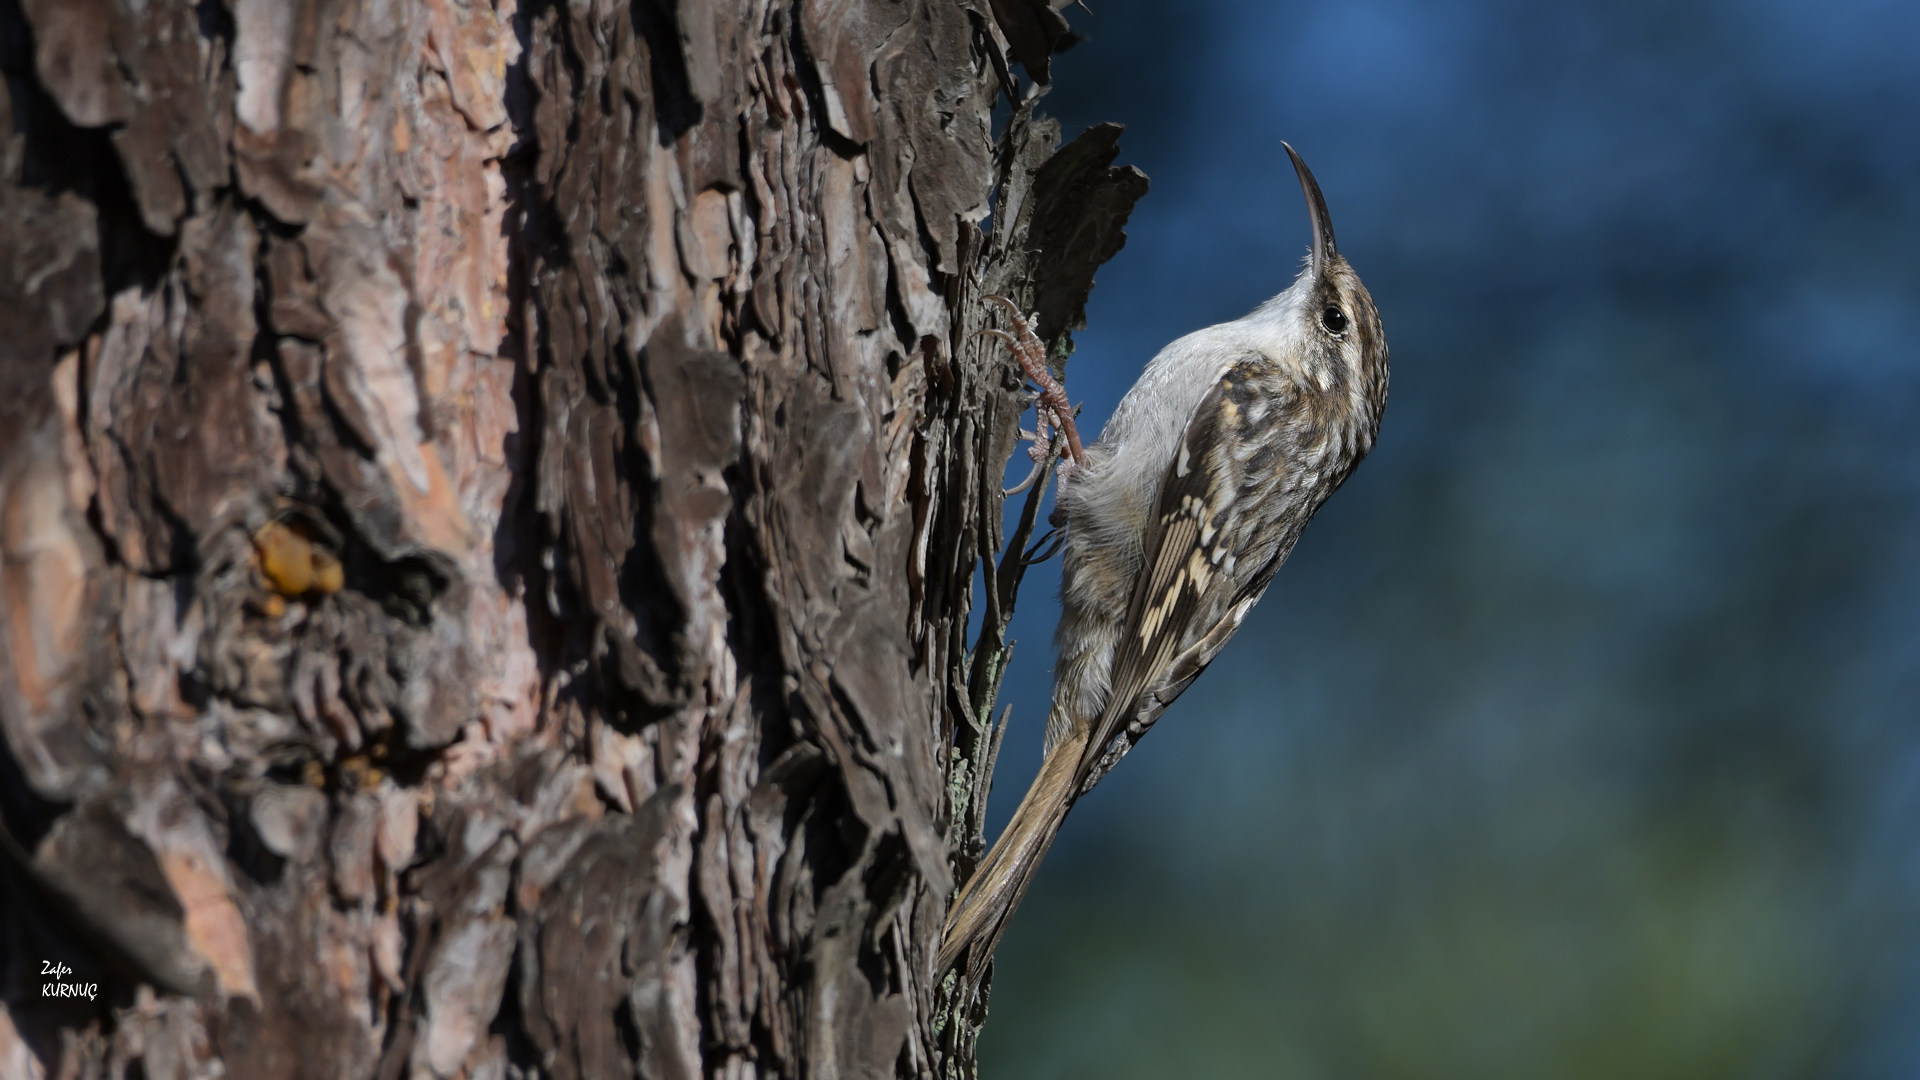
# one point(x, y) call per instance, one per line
point(1031, 353)
point(1042, 448)
point(1038, 468)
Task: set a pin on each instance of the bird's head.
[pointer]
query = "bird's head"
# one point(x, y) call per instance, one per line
point(1336, 326)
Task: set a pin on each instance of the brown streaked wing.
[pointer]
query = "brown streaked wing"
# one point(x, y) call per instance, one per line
point(1182, 556)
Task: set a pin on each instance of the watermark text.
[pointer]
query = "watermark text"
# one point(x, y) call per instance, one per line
point(58, 971)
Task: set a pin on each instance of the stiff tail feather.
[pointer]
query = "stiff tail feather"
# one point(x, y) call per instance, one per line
point(980, 915)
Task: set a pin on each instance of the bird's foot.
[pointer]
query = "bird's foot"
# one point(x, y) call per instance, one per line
point(1051, 406)
point(1043, 447)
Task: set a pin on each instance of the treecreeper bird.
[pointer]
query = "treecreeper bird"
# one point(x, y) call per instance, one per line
point(1177, 518)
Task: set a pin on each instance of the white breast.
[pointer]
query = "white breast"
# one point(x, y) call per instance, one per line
point(1118, 491)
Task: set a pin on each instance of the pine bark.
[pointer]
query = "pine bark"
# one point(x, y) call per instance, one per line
point(490, 501)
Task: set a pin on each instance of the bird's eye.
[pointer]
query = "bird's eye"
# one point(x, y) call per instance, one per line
point(1334, 320)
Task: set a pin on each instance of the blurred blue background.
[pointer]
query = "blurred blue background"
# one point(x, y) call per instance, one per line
point(1580, 736)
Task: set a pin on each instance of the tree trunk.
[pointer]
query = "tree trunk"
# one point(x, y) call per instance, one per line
point(489, 507)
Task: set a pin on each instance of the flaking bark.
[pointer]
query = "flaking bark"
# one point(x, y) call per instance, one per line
point(489, 505)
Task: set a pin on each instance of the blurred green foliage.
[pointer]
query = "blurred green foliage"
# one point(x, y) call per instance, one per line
point(1673, 950)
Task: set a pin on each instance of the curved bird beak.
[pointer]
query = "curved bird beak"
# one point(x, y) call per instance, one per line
point(1323, 246)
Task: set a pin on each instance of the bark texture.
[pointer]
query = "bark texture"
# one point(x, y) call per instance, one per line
point(490, 500)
